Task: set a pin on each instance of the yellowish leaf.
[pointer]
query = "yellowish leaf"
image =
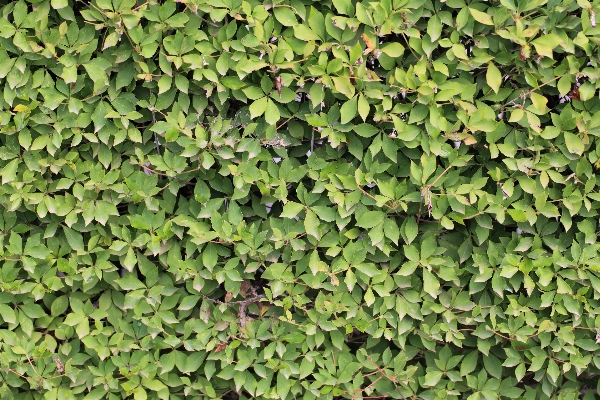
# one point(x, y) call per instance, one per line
point(539, 101)
point(481, 17)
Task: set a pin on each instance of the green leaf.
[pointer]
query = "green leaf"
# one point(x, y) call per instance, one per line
point(553, 371)
point(574, 143)
point(294, 337)
point(481, 17)
point(366, 130)
point(311, 224)
point(460, 51)
point(272, 115)
point(587, 91)
point(363, 15)
point(408, 268)
point(210, 256)
point(188, 303)
point(304, 33)
point(75, 239)
point(432, 378)
point(164, 84)
point(33, 310)
point(210, 75)
point(469, 363)
point(130, 260)
point(342, 6)
point(285, 15)
point(283, 385)
point(291, 209)
point(363, 107)
point(316, 21)
point(193, 362)
point(539, 101)
point(129, 282)
point(564, 85)
point(418, 113)
point(344, 86)
point(258, 107)
point(154, 384)
point(232, 82)
point(9, 172)
point(391, 230)
point(546, 43)
point(369, 297)
point(97, 75)
point(411, 229)
point(517, 215)
point(493, 77)
point(393, 49)
point(431, 285)
point(370, 219)
point(8, 314)
point(348, 110)
point(493, 366)
point(7, 30)
point(58, 4)
point(287, 96)
point(434, 28)
point(520, 371)
point(59, 306)
point(125, 75)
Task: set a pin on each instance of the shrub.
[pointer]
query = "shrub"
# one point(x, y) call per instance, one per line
point(299, 199)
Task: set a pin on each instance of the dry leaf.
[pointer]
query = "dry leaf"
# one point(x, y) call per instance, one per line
point(278, 85)
point(469, 140)
point(220, 347)
point(205, 312)
point(574, 94)
point(334, 280)
point(264, 308)
point(245, 289)
point(59, 365)
point(369, 43)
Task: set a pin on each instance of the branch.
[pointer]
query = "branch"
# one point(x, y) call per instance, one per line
point(242, 303)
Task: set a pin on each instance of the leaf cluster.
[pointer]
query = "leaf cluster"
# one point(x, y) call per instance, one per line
point(299, 199)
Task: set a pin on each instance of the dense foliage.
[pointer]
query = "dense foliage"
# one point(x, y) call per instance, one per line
point(299, 199)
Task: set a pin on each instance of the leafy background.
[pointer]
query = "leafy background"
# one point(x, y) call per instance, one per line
point(298, 199)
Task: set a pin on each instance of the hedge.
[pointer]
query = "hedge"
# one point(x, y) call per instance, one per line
point(299, 199)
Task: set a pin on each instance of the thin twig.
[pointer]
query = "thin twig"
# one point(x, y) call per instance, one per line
point(242, 303)
point(284, 122)
point(30, 363)
point(156, 141)
point(145, 167)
